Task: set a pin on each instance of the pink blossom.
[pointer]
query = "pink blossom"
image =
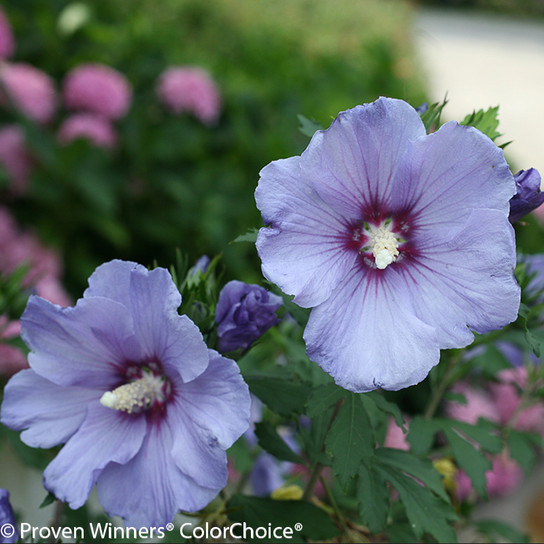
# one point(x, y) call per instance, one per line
point(15, 158)
point(97, 88)
point(395, 437)
point(18, 247)
point(7, 43)
point(479, 404)
point(94, 128)
point(30, 90)
point(507, 397)
point(186, 89)
point(503, 478)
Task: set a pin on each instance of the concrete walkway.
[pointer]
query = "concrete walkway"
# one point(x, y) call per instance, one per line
point(486, 60)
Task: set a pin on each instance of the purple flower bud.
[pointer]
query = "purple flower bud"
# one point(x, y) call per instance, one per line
point(529, 194)
point(9, 532)
point(244, 313)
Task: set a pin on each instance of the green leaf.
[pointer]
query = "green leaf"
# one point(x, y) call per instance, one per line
point(308, 126)
point(373, 495)
point(431, 118)
point(486, 121)
point(273, 443)
point(506, 533)
point(261, 512)
point(422, 469)
point(350, 439)
point(323, 398)
point(388, 407)
point(472, 461)
point(484, 432)
point(280, 390)
point(426, 512)
point(249, 236)
point(522, 446)
point(421, 435)
point(49, 499)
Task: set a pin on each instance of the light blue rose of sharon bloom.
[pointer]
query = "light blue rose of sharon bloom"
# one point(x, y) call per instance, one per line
point(398, 240)
point(144, 409)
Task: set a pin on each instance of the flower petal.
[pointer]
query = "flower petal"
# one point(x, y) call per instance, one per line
point(353, 163)
point(91, 339)
point(303, 252)
point(150, 489)
point(365, 339)
point(449, 173)
point(49, 413)
point(106, 436)
point(152, 299)
point(217, 402)
point(466, 280)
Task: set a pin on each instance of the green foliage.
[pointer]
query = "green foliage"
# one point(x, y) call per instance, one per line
point(316, 524)
point(486, 121)
point(173, 182)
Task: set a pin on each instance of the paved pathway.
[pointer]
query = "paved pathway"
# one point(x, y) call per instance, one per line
point(485, 60)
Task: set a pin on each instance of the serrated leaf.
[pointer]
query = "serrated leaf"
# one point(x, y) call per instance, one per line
point(273, 443)
point(421, 435)
point(388, 407)
point(280, 391)
point(261, 512)
point(421, 469)
point(426, 512)
point(483, 433)
point(350, 438)
point(373, 495)
point(308, 127)
point(472, 461)
point(486, 121)
point(322, 398)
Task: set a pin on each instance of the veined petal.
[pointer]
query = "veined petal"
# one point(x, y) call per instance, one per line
point(149, 490)
point(79, 346)
point(74, 471)
point(303, 251)
point(48, 413)
point(449, 173)
point(365, 339)
point(217, 402)
point(353, 163)
point(466, 279)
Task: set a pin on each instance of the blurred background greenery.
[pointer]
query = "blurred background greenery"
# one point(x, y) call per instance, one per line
point(173, 182)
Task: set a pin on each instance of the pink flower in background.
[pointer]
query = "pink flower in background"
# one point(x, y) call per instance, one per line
point(507, 398)
point(15, 158)
point(30, 90)
point(192, 90)
point(7, 43)
point(99, 89)
point(89, 126)
point(503, 478)
point(395, 437)
point(479, 403)
point(43, 277)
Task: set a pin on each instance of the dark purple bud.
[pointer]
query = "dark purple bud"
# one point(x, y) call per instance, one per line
point(529, 194)
point(8, 524)
point(244, 313)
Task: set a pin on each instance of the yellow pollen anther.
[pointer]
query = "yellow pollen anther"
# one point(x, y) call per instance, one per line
point(384, 246)
point(134, 396)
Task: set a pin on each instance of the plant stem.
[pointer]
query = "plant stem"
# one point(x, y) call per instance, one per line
point(439, 392)
point(318, 467)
